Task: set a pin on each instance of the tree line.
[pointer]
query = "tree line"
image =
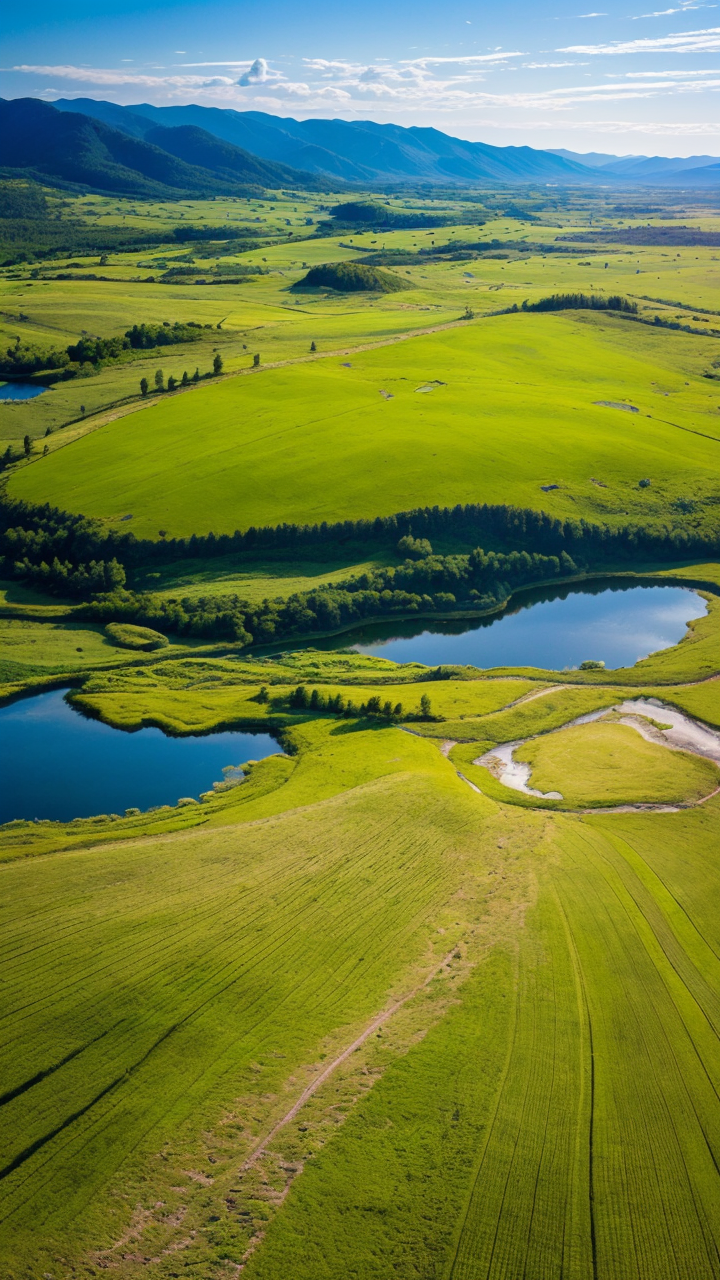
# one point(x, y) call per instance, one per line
point(95, 353)
point(39, 533)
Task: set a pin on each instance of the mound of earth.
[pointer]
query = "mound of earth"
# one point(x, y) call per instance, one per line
point(352, 277)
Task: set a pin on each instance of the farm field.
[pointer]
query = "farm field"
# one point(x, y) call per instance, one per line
point(360, 1008)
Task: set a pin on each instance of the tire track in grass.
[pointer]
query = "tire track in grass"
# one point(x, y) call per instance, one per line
point(586, 1022)
point(424, 893)
point(659, 1107)
point(357, 1043)
point(658, 955)
point(475, 1177)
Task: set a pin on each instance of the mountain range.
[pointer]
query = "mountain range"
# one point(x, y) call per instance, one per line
point(79, 149)
point(143, 150)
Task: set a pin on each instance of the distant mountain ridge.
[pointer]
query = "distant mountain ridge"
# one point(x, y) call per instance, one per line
point(656, 169)
point(151, 151)
point(358, 152)
point(86, 151)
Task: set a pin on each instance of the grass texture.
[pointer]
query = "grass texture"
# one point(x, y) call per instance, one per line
point(606, 764)
point(510, 408)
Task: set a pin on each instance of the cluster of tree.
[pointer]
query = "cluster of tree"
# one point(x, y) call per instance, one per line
point(189, 233)
point(366, 213)
point(352, 277)
point(580, 302)
point(36, 239)
point(89, 355)
point(143, 337)
point(335, 704)
point(22, 200)
point(461, 251)
point(481, 580)
point(669, 237)
point(97, 351)
point(24, 358)
point(61, 577)
point(78, 539)
point(661, 323)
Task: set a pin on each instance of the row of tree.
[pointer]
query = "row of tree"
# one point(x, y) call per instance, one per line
point(23, 358)
point(40, 533)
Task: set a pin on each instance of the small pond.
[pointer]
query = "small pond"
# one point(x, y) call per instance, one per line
point(20, 390)
point(56, 763)
point(552, 629)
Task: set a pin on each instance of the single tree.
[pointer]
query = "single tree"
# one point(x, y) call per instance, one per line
point(48, 431)
point(46, 450)
point(172, 383)
point(159, 380)
point(425, 708)
point(82, 410)
point(256, 362)
point(217, 364)
point(144, 386)
point(27, 444)
point(313, 346)
point(196, 376)
point(185, 379)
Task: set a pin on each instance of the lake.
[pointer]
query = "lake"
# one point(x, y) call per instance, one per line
point(553, 629)
point(20, 390)
point(57, 763)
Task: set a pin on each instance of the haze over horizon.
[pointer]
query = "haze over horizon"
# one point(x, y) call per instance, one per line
point(624, 80)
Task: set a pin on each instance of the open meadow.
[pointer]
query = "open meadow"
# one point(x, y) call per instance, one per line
point(431, 991)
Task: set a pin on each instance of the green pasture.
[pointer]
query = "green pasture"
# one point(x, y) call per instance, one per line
point(535, 993)
point(263, 315)
point(510, 408)
point(606, 764)
point(184, 996)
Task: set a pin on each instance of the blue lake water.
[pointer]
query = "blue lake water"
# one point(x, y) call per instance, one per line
point(616, 625)
point(20, 390)
point(56, 763)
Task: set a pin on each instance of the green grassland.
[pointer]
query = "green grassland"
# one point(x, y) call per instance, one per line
point(510, 408)
point(229, 963)
point(607, 764)
point(508, 1010)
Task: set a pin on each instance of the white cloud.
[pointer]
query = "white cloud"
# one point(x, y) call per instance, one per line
point(101, 76)
point(684, 7)
point(706, 41)
point(256, 74)
point(468, 59)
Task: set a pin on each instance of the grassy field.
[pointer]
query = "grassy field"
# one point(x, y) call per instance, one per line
point(356, 1017)
point(607, 764)
point(510, 409)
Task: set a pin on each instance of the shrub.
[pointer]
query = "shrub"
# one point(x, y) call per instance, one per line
point(131, 637)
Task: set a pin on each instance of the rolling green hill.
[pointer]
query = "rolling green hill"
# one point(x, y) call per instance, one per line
point(491, 412)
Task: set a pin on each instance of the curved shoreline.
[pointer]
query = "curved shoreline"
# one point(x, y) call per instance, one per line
point(684, 733)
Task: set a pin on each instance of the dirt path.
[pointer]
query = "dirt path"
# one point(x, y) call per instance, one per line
point(327, 1071)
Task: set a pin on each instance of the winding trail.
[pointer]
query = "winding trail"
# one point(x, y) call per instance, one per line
point(327, 1071)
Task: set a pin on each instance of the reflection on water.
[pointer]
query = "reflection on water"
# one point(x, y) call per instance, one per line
point(551, 629)
point(55, 763)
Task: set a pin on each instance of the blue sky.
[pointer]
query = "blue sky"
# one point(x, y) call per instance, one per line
point(626, 78)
